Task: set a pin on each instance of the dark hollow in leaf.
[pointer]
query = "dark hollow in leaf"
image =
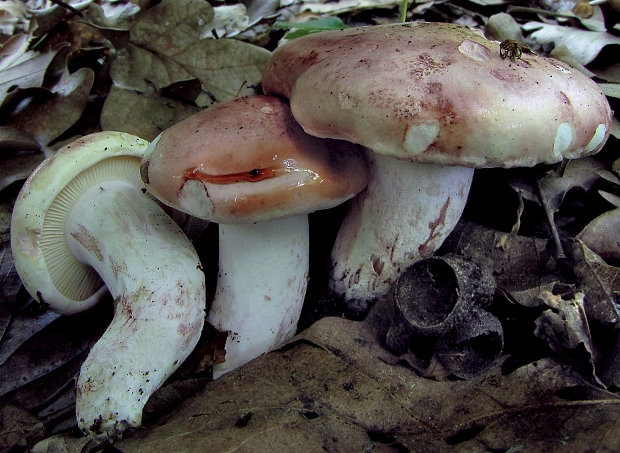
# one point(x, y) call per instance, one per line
point(244, 420)
point(464, 435)
point(14, 141)
point(310, 415)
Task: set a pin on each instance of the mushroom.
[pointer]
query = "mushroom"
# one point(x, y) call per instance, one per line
point(432, 101)
point(248, 166)
point(82, 225)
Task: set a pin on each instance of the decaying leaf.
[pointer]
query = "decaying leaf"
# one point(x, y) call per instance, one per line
point(601, 234)
point(584, 45)
point(228, 21)
point(519, 269)
point(334, 388)
point(597, 281)
point(143, 114)
point(566, 329)
point(112, 15)
point(23, 69)
point(346, 6)
point(581, 173)
point(166, 47)
point(17, 168)
point(18, 429)
point(503, 26)
point(64, 443)
point(9, 280)
point(54, 345)
point(47, 120)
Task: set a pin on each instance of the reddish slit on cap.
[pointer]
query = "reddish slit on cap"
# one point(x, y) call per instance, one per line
point(255, 175)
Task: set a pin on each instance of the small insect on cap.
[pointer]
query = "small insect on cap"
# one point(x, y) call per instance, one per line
point(439, 93)
point(248, 160)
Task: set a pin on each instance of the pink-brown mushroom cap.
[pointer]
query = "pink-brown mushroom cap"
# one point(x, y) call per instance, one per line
point(248, 160)
point(438, 93)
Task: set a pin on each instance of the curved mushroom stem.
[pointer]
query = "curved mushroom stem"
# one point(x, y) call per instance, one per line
point(155, 277)
point(261, 286)
point(405, 214)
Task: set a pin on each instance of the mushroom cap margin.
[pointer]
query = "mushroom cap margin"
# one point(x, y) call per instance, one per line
point(37, 195)
point(204, 165)
point(438, 93)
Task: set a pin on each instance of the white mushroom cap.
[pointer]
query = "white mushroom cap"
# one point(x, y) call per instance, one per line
point(438, 93)
point(47, 266)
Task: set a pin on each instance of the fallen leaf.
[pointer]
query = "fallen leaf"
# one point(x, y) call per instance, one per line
point(601, 234)
point(18, 429)
point(23, 70)
point(566, 330)
point(518, 269)
point(579, 173)
point(334, 387)
point(584, 45)
point(47, 120)
point(51, 347)
point(143, 114)
point(347, 6)
point(597, 281)
point(166, 47)
point(14, 141)
point(9, 280)
point(610, 89)
point(117, 15)
point(609, 72)
point(503, 26)
point(18, 168)
point(228, 21)
point(64, 443)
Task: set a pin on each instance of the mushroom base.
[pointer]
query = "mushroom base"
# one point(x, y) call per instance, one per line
point(405, 214)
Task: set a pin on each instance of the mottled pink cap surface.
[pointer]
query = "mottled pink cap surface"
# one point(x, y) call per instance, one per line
point(438, 93)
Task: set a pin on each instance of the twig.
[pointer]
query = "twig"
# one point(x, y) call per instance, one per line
point(551, 221)
point(544, 12)
point(67, 6)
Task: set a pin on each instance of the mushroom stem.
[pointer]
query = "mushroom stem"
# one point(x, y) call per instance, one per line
point(261, 286)
point(154, 275)
point(405, 214)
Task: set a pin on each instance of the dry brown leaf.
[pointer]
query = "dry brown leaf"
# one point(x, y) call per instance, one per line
point(18, 428)
point(584, 45)
point(566, 330)
point(47, 120)
point(23, 69)
point(579, 173)
point(601, 234)
point(334, 388)
point(518, 269)
point(346, 6)
point(9, 280)
point(64, 443)
point(143, 114)
point(17, 168)
point(597, 281)
point(166, 47)
point(48, 349)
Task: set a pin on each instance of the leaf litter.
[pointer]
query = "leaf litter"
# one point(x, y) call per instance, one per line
point(142, 66)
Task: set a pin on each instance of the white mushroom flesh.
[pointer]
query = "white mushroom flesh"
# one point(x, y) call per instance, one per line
point(260, 288)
